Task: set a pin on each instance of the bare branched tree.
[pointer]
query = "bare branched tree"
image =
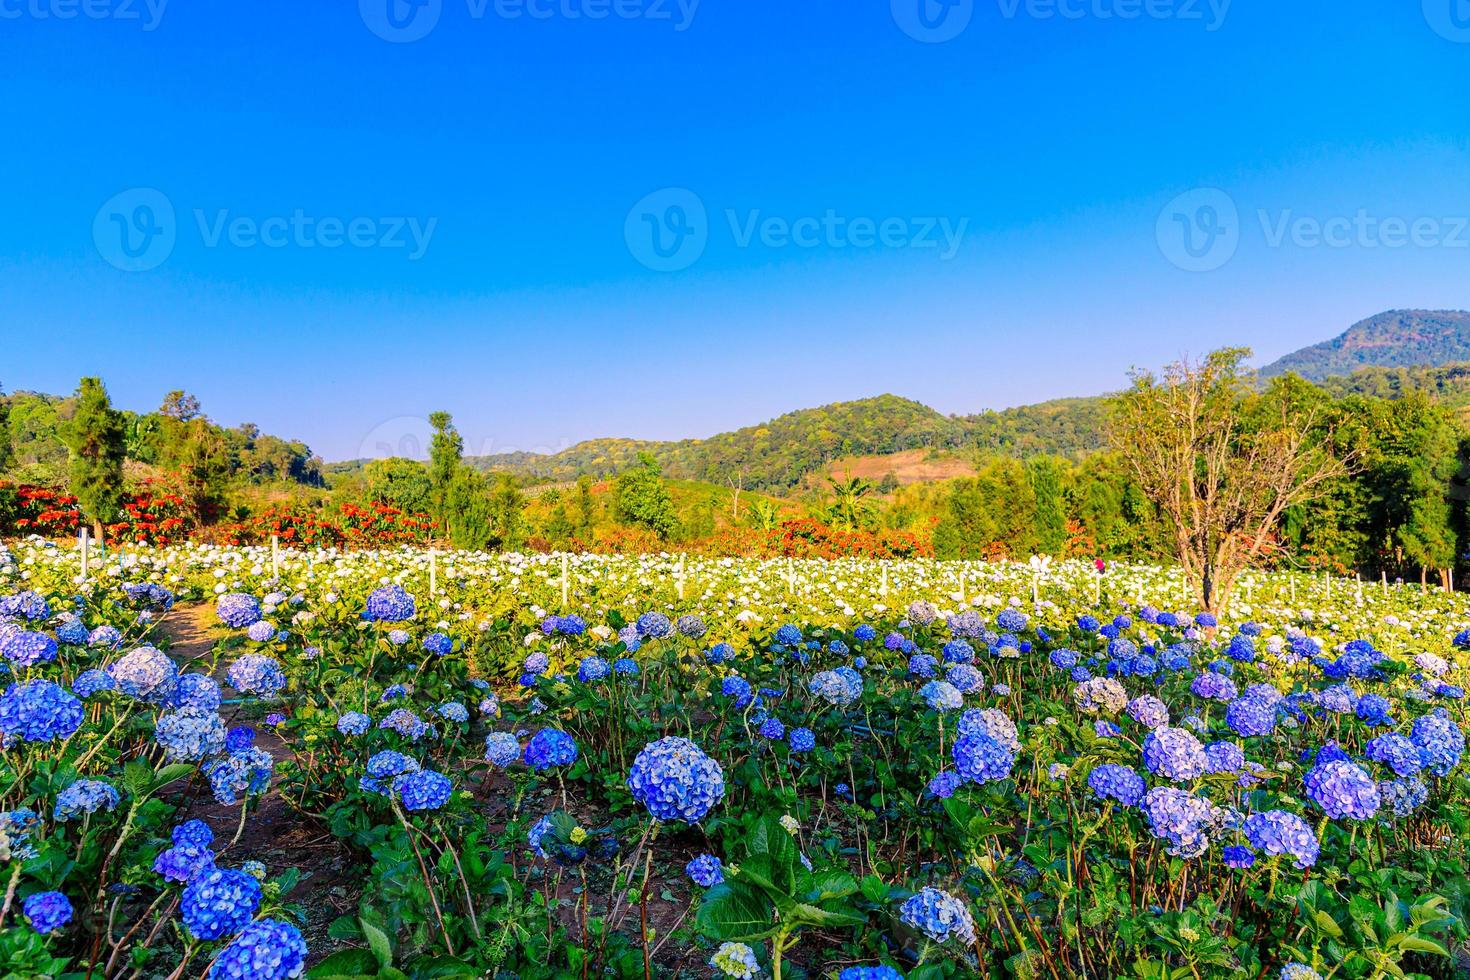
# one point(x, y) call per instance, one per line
point(1223, 462)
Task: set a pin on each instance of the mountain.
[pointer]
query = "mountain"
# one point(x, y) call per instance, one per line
point(1398, 338)
point(779, 454)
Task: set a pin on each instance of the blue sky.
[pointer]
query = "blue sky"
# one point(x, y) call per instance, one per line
point(330, 233)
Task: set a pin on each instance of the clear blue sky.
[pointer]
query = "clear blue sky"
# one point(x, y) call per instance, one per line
point(521, 147)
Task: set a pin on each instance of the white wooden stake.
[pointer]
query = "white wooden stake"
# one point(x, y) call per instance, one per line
point(275, 556)
point(1384, 573)
point(86, 549)
point(433, 572)
point(566, 583)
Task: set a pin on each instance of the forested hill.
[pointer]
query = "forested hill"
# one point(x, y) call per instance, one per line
point(1398, 338)
point(781, 452)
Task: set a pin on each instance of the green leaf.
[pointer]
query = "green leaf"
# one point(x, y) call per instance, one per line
point(733, 912)
point(349, 964)
point(168, 774)
point(378, 941)
point(1419, 944)
point(1328, 925)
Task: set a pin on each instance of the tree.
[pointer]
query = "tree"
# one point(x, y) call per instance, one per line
point(180, 406)
point(1045, 474)
point(586, 509)
point(401, 483)
point(1221, 462)
point(763, 514)
point(4, 430)
point(849, 511)
point(94, 439)
point(506, 513)
point(641, 499)
point(446, 448)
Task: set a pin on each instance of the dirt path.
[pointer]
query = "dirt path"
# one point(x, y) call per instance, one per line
point(275, 834)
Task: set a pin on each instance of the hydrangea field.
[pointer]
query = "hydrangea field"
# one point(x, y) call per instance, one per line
point(665, 766)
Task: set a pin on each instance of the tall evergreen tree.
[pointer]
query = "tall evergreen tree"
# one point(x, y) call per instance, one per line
point(1045, 474)
point(641, 499)
point(94, 438)
point(446, 449)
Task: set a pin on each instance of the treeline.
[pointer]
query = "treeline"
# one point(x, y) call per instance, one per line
point(176, 437)
point(779, 455)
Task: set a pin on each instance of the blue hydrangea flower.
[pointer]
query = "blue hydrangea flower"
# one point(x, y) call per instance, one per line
point(870, 973)
point(90, 682)
point(255, 673)
point(422, 790)
point(501, 749)
point(706, 871)
point(219, 903)
point(438, 644)
point(238, 610)
point(25, 649)
point(921, 665)
point(1236, 856)
point(1440, 741)
point(654, 626)
point(1251, 716)
point(840, 687)
point(1397, 752)
point(1149, 711)
point(940, 916)
point(47, 911)
point(1180, 819)
point(383, 766)
point(389, 604)
point(772, 729)
point(246, 773)
point(863, 633)
point(145, 673)
point(39, 711)
point(942, 696)
point(1175, 754)
point(719, 653)
point(453, 711)
point(801, 740)
point(592, 669)
point(353, 723)
point(979, 758)
point(1342, 790)
point(1114, 782)
point(964, 677)
point(190, 734)
point(550, 747)
point(1280, 832)
point(84, 796)
point(676, 781)
point(1403, 796)
point(625, 667)
point(266, 950)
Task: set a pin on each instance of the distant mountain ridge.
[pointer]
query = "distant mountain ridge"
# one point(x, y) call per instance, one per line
point(780, 453)
point(1391, 352)
point(1398, 338)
